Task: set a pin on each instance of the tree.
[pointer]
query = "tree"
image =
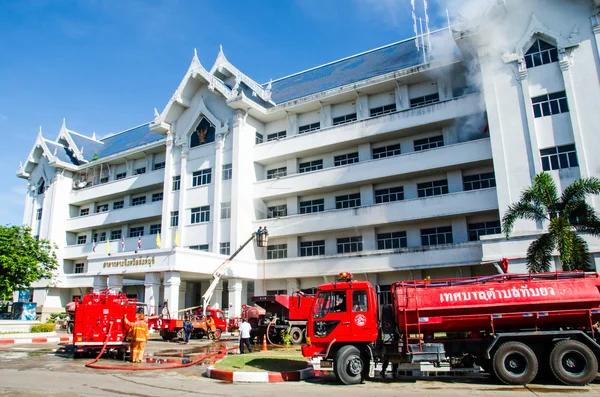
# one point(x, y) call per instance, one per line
point(567, 216)
point(23, 259)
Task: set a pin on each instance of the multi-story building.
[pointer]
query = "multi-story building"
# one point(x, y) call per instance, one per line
point(396, 163)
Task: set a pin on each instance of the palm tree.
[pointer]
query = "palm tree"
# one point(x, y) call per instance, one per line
point(567, 216)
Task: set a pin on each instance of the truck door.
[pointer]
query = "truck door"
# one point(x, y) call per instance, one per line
point(332, 315)
point(362, 321)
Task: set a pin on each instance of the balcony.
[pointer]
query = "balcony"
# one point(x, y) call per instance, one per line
point(447, 205)
point(407, 165)
point(106, 219)
point(328, 139)
point(113, 189)
point(83, 250)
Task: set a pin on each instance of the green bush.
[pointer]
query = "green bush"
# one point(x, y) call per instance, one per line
point(285, 337)
point(43, 328)
point(60, 316)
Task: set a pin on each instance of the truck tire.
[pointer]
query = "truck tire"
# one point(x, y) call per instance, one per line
point(296, 335)
point(217, 334)
point(515, 363)
point(70, 328)
point(168, 336)
point(573, 363)
point(349, 365)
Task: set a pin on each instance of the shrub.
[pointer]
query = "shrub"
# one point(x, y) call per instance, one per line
point(43, 328)
point(285, 338)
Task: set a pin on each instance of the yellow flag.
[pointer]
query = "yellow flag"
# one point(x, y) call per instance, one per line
point(107, 248)
point(176, 241)
point(157, 240)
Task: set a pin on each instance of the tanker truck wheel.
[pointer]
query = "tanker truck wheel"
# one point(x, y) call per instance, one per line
point(515, 363)
point(168, 336)
point(573, 363)
point(296, 336)
point(349, 365)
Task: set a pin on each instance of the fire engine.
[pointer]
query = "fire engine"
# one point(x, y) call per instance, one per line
point(514, 326)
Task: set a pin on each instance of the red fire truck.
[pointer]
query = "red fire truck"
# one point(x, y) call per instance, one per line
point(170, 328)
point(515, 326)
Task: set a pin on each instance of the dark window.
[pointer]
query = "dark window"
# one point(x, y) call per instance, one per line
point(482, 228)
point(115, 235)
point(347, 201)
point(138, 201)
point(139, 171)
point(99, 237)
point(359, 301)
point(389, 194)
point(309, 128)
point(479, 181)
point(429, 143)
point(386, 151)
point(104, 179)
point(41, 186)
point(176, 182)
point(277, 251)
point(39, 214)
point(436, 235)
point(225, 210)
point(276, 136)
point(174, 218)
point(276, 292)
point(202, 177)
point(345, 159)
point(136, 231)
point(227, 172)
point(155, 229)
point(224, 248)
point(277, 173)
point(277, 211)
point(200, 214)
point(203, 134)
point(344, 119)
point(117, 205)
point(202, 247)
point(312, 248)
point(424, 100)
point(540, 53)
point(391, 240)
point(81, 239)
point(547, 105)
point(157, 197)
point(378, 111)
point(310, 166)
point(308, 207)
point(102, 208)
point(84, 212)
point(559, 157)
point(349, 244)
point(433, 188)
point(258, 138)
point(79, 267)
point(158, 166)
point(121, 175)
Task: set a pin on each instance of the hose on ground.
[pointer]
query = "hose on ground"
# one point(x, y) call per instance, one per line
point(269, 326)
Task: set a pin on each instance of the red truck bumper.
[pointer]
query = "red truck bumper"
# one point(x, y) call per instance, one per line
point(311, 350)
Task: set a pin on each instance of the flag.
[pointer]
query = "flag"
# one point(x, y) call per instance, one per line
point(123, 243)
point(94, 245)
point(157, 240)
point(107, 248)
point(176, 241)
point(139, 243)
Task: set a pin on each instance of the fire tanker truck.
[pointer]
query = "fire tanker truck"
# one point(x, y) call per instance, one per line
point(514, 326)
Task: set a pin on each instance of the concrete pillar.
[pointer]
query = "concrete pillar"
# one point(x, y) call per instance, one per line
point(217, 298)
point(259, 286)
point(362, 107)
point(534, 151)
point(235, 297)
point(325, 116)
point(364, 152)
point(401, 94)
point(291, 165)
point(460, 232)
point(292, 124)
point(115, 282)
point(367, 195)
point(182, 302)
point(217, 197)
point(455, 183)
point(416, 275)
point(369, 239)
point(151, 292)
point(444, 88)
point(292, 284)
point(172, 283)
point(100, 283)
point(182, 194)
point(166, 237)
point(292, 247)
point(292, 205)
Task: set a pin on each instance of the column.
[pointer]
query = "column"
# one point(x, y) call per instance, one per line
point(362, 107)
point(149, 162)
point(235, 297)
point(460, 233)
point(171, 295)
point(534, 151)
point(292, 124)
point(369, 239)
point(182, 193)
point(292, 205)
point(292, 284)
point(455, 183)
point(401, 94)
point(217, 196)
point(100, 283)
point(367, 195)
point(364, 152)
point(151, 292)
point(444, 88)
point(292, 247)
point(325, 116)
point(182, 301)
point(291, 165)
point(115, 282)
point(217, 299)
point(166, 237)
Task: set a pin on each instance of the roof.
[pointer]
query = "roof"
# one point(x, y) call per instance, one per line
point(86, 145)
point(126, 140)
point(61, 152)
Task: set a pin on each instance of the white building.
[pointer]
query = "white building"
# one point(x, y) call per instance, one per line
point(397, 163)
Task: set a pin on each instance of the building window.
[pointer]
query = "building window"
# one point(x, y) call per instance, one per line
point(155, 229)
point(349, 244)
point(201, 177)
point(277, 211)
point(378, 111)
point(271, 292)
point(138, 201)
point(310, 166)
point(428, 143)
point(136, 231)
point(202, 247)
point(204, 133)
point(117, 205)
point(312, 248)
point(176, 182)
point(104, 179)
point(102, 208)
point(436, 235)
point(540, 53)
point(258, 138)
point(41, 186)
point(347, 201)
point(308, 207)
point(224, 248)
point(345, 159)
point(115, 234)
point(157, 197)
point(547, 105)
point(391, 240)
point(227, 172)
point(82, 239)
point(84, 212)
point(79, 267)
point(38, 215)
point(482, 228)
point(200, 214)
point(386, 151)
point(276, 136)
point(139, 171)
point(309, 128)
point(121, 175)
point(388, 195)
point(225, 210)
point(479, 181)
point(277, 173)
point(424, 100)
point(344, 119)
point(100, 237)
point(174, 218)
point(433, 188)
point(559, 157)
point(277, 251)
point(158, 166)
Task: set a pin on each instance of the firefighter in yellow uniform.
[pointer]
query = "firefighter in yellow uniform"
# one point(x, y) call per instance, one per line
point(139, 335)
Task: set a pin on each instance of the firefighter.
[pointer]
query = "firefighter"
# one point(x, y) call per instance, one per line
point(210, 327)
point(139, 336)
point(188, 327)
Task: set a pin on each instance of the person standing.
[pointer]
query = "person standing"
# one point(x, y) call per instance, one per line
point(139, 336)
point(210, 327)
point(245, 329)
point(188, 327)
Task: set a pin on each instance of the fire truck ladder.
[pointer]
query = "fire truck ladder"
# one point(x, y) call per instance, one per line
point(407, 325)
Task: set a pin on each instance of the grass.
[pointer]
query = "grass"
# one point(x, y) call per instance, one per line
point(273, 360)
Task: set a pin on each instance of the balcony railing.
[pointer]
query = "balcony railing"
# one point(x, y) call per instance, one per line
point(112, 217)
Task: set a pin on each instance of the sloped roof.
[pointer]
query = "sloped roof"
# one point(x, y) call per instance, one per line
point(61, 152)
point(126, 140)
point(87, 146)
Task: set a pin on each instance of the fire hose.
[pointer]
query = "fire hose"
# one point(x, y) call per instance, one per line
point(269, 326)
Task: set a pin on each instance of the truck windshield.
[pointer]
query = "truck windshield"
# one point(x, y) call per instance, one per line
point(329, 302)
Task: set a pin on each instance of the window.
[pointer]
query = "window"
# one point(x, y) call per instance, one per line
point(201, 177)
point(391, 240)
point(547, 105)
point(386, 151)
point(347, 201)
point(158, 166)
point(309, 128)
point(359, 301)
point(349, 244)
point(258, 138)
point(202, 247)
point(480, 181)
point(540, 53)
point(200, 214)
point(276, 173)
point(310, 166)
point(225, 210)
point(436, 235)
point(104, 179)
point(115, 234)
point(344, 119)
point(224, 248)
point(99, 237)
point(559, 157)
point(138, 201)
point(271, 292)
point(276, 136)
point(38, 215)
point(424, 100)
point(174, 218)
point(155, 229)
point(81, 239)
point(388, 195)
point(276, 211)
point(157, 197)
point(434, 188)
point(136, 231)
point(345, 159)
point(227, 172)
point(102, 208)
point(121, 175)
point(117, 205)
point(203, 134)
point(79, 267)
point(312, 248)
point(329, 302)
point(429, 143)
point(482, 228)
point(41, 186)
point(176, 182)
point(84, 212)
point(277, 251)
point(139, 171)
point(308, 207)
point(378, 111)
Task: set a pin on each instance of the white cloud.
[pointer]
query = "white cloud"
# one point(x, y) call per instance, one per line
point(392, 12)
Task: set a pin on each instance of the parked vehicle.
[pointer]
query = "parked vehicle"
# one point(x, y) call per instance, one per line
point(283, 312)
point(170, 328)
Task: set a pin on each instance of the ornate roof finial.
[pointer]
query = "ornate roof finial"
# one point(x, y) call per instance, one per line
point(63, 127)
point(270, 85)
point(40, 131)
point(156, 115)
point(55, 151)
point(94, 136)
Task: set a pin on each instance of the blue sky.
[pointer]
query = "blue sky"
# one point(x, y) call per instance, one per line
point(104, 65)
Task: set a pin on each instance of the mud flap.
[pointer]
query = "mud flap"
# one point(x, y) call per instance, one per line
point(371, 369)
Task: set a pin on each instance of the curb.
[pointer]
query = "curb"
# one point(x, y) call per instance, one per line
point(22, 341)
point(260, 377)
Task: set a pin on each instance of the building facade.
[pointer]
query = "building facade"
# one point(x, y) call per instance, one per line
point(393, 164)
